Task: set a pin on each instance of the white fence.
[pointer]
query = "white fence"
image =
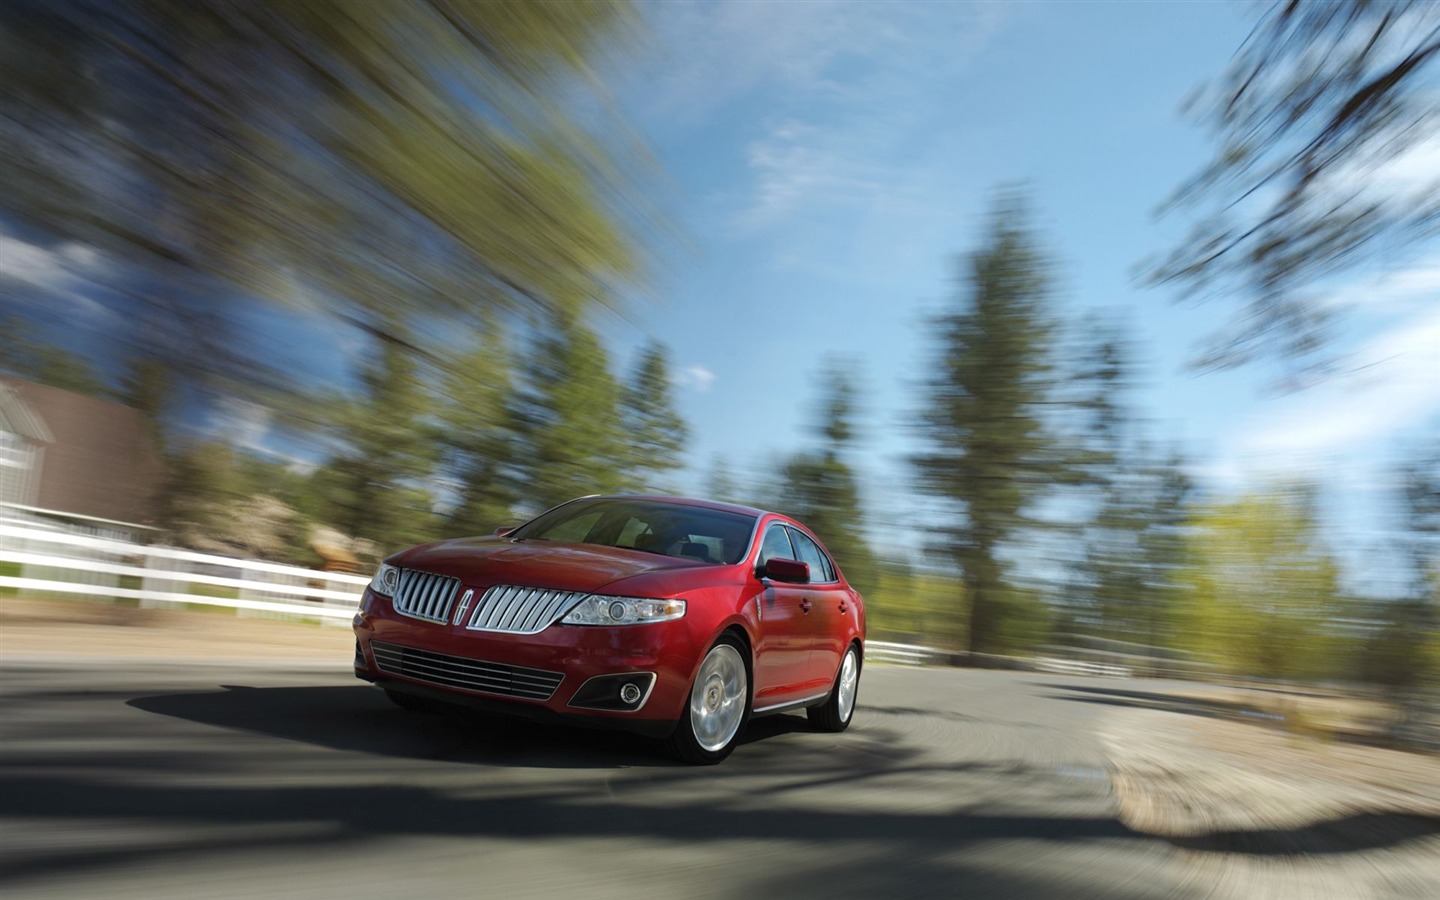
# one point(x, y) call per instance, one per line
point(906, 654)
point(56, 562)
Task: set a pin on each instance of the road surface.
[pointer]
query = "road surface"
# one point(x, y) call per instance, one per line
point(169, 779)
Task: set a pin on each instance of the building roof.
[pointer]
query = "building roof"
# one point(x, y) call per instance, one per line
point(100, 458)
point(17, 418)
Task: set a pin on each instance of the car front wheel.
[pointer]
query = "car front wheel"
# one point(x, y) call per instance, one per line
point(717, 708)
point(835, 713)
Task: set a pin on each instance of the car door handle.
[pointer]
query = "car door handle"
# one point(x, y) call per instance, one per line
point(843, 607)
point(806, 604)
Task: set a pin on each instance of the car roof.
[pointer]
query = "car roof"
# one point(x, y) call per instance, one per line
point(683, 501)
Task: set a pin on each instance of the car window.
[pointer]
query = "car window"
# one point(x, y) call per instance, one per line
point(671, 529)
point(776, 545)
point(576, 530)
point(810, 552)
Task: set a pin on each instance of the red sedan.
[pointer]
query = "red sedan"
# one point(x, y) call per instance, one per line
point(675, 618)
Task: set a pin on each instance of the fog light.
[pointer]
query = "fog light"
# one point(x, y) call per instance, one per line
point(630, 693)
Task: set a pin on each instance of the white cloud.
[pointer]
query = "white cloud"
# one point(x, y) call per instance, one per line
point(697, 377)
point(1390, 388)
point(797, 166)
point(242, 424)
point(58, 272)
point(842, 79)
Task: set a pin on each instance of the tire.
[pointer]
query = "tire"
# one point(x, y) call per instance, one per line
point(717, 708)
point(835, 713)
point(407, 701)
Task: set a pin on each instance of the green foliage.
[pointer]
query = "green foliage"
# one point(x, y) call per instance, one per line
point(820, 489)
point(34, 360)
point(991, 454)
point(574, 442)
point(654, 430)
point(219, 500)
point(1260, 590)
point(1320, 97)
point(914, 606)
point(479, 434)
point(379, 486)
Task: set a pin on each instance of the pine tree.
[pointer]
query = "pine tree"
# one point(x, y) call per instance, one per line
point(571, 424)
point(991, 453)
point(654, 430)
point(819, 487)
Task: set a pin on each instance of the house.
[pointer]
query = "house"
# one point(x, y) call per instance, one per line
point(80, 459)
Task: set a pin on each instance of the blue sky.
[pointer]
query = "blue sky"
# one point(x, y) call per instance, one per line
point(828, 160)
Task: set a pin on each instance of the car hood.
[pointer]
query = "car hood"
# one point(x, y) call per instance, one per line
point(482, 562)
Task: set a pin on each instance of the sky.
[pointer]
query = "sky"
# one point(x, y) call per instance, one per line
point(828, 161)
point(822, 165)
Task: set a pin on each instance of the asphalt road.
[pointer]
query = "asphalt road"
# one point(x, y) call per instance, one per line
point(126, 779)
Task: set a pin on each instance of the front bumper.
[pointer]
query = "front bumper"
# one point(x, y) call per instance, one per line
point(528, 675)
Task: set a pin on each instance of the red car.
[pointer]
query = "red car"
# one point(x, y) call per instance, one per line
point(675, 618)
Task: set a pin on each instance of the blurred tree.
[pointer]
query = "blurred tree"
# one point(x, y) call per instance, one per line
point(1404, 650)
point(31, 359)
point(479, 434)
point(147, 385)
point(991, 452)
point(820, 489)
point(373, 161)
point(570, 420)
point(1133, 544)
point(380, 480)
point(1259, 589)
point(653, 428)
point(721, 484)
point(1319, 100)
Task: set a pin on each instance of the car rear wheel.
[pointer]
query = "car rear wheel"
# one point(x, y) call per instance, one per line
point(835, 713)
point(717, 708)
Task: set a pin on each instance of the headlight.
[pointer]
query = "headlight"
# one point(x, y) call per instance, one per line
point(386, 580)
point(598, 610)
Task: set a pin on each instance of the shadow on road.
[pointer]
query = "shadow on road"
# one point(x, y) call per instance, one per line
point(1186, 704)
point(1349, 834)
point(358, 718)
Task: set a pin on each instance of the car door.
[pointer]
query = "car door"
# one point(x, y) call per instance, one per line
point(829, 606)
point(782, 653)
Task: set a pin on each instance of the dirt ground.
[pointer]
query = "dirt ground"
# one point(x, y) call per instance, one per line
point(75, 627)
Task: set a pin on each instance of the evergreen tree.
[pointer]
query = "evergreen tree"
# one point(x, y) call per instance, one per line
point(820, 489)
point(479, 434)
point(654, 430)
point(571, 422)
point(991, 453)
point(378, 484)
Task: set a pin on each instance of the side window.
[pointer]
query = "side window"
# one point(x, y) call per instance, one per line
point(810, 552)
point(577, 529)
point(775, 545)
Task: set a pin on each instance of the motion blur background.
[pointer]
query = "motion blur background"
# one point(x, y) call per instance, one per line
point(1076, 331)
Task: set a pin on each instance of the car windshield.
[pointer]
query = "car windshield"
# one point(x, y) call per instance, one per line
point(669, 529)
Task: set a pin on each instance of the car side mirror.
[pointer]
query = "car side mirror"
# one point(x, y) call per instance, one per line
point(789, 570)
point(505, 529)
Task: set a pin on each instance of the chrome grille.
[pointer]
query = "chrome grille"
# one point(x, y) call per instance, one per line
point(521, 610)
point(444, 670)
point(425, 596)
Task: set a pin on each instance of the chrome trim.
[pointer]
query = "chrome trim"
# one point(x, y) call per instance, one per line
point(639, 706)
point(425, 595)
point(790, 704)
point(464, 605)
point(463, 673)
point(512, 609)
